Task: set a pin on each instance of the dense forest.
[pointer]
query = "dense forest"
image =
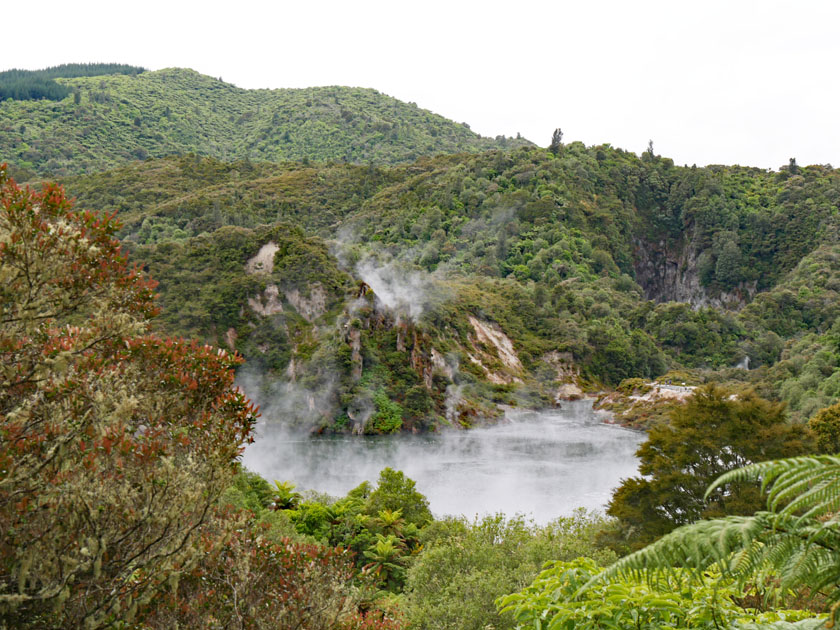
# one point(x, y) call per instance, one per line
point(27, 85)
point(596, 264)
point(103, 121)
point(397, 273)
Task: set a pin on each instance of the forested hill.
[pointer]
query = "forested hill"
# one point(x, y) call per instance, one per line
point(104, 121)
point(440, 288)
point(22, 85)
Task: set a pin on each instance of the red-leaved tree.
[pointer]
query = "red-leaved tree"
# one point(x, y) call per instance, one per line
point(251, 583)
point(114, 443)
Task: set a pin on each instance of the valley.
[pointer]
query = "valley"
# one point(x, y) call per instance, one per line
point(319, 358)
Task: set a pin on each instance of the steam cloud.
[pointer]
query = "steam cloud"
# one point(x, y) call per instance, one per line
point(289, 403)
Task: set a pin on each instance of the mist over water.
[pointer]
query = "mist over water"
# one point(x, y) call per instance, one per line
point(542, 464)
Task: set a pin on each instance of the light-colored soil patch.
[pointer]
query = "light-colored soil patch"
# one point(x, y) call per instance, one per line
point(568, 391)
point(312, 307)
point(661, 392)
point(493, 377)
point(646, 406)
point(268, 303)
point(230, 338)
point(568, 375)
point(263, 262)
point(491, 335)
point(439, 363)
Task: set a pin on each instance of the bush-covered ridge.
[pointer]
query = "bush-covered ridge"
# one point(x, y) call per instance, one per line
point(109, 120)
point(25, 85)
point(622, 266)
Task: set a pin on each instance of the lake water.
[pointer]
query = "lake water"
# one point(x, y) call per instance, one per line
point(541, 464)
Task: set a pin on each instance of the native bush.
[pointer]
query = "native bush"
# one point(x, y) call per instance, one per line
point(114, 443)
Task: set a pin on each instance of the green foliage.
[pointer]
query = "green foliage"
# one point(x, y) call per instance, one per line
point(395, 491)
point(629, 386)
point(709, 435)
point(826, 427)
point(569, 596)
point(793, 543)
point(703, 337)
point(381, 537)
point(124, 117)
point(388, 415)
point(255, 582)
point(248, 491)
point(39, 84)
point(557, 250)
point(285, 496)
point(115, 444)
point(465, 566)
point(806, 375)
point(385, 561)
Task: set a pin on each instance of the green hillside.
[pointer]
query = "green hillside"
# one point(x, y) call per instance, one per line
point(597, 265)
point(382, 270)
point(104, 121)
point(22, 85)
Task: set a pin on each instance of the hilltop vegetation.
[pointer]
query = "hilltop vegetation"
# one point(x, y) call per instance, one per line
point(103, 121)
point(597, 265)
point(25, 85)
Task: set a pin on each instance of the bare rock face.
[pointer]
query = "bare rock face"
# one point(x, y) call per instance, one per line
point(421, 360)
point(354, 338)
point(312, 307)
point(490, 338)
point(568, 376)
point(440, 364)
point(268, 303)
point(230, 338)
point(668, 272)
point(263, 262)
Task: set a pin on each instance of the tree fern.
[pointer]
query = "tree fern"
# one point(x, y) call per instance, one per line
point(795, 541)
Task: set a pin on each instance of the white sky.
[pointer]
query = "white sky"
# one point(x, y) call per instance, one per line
point(747, 82)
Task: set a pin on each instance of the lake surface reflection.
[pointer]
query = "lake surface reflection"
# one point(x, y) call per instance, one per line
point(542, 464)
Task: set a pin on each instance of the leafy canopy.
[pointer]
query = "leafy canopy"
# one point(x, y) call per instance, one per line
point(114, 443)
point(711, 434)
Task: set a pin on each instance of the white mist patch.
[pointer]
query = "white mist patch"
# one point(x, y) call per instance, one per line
point(453, 398)
point(540, 464)
point(407, 292)
point(289, 404)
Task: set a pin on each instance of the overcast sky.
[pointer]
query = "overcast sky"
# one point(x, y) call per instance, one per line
point(745, 82)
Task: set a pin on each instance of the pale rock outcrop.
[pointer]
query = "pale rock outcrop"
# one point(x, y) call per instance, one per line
point(268, 303)
point(230, 338)
point(263, 262)
point(312, 307)
point(492, 335)
point(568, 375)
point(439, 363)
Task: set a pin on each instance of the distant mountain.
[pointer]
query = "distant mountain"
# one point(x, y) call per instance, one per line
point(104, 121)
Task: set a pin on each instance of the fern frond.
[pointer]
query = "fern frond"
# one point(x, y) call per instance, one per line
point(741, 548)
point(695, 547)
point(797, 483)
point(802, 484)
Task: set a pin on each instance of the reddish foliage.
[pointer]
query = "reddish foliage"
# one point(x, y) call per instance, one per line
point(114, 442)
point(251, 583)
point(114, 446)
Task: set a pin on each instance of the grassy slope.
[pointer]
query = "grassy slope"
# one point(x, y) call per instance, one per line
point(122, 118)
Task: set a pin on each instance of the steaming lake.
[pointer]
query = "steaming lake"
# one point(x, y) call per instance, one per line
point(542, 464)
